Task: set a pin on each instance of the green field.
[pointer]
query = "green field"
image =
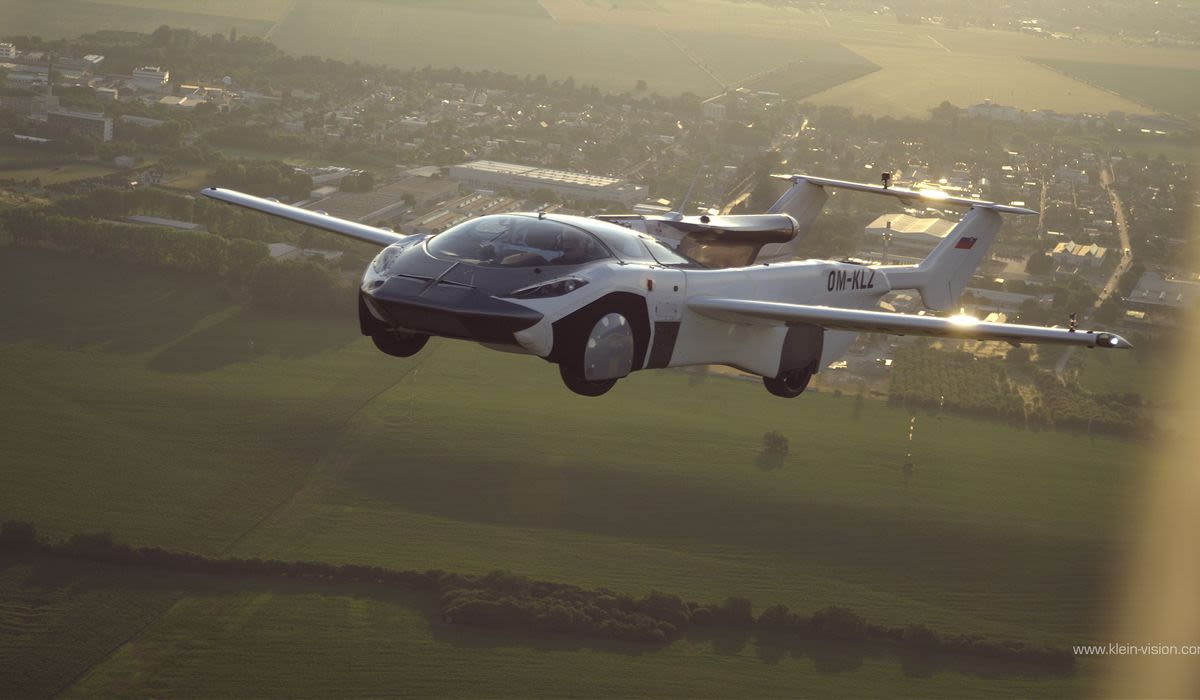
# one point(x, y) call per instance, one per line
point(138, 634)
point(1166, 89)
point(147, 404)
point(56, 174)
point(674, 45)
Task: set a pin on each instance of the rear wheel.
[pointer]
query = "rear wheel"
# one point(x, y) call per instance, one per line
point(584, 387)
point(789, 384)
point(400, 344)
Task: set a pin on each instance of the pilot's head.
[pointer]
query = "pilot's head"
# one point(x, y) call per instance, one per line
point(574, 248)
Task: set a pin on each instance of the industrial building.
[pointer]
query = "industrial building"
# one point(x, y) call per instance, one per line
point(488, 174)
point(89, 123)
point(387, 203)
point(1075, 256)
point(905, 236)
point(151, 78)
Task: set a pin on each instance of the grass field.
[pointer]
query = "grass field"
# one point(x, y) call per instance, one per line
point(155, 409)
point(1166, 89)
point(300, 639)
point(614, 44)
point(56, 174)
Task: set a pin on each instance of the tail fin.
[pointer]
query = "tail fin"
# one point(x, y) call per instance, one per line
point(804, 202)
point(944, 274)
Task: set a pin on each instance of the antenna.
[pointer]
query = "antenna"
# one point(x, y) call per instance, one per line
point(687, 197)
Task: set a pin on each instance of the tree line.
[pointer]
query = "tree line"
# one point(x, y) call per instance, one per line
point(505, 600)
point(960, 382)
point(273, 284)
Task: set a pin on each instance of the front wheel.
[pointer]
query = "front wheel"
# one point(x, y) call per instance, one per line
point(584, 387)
point(400, 344)
point(789, 384)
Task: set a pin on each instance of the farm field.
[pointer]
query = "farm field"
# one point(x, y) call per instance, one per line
point(215, 637)
point(198, 425)
point(1167, 89)
point(669, 43)
point(56, 174)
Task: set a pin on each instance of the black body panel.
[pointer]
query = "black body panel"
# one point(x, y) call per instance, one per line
point(447, 309)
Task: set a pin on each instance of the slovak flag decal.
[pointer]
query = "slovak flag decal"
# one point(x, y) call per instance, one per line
point(965, 243)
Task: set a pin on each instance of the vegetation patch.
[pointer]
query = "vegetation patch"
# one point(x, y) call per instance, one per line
point(1165, 88)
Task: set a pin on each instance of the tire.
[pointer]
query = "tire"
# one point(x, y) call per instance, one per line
point(789, 384)
point(576, 383)
point(400, 344)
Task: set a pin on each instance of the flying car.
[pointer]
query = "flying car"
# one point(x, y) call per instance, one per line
point(605, 296)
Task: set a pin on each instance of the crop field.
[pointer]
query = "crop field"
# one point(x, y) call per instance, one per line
point(199, 635)
point(153, 408)
point(1167, 89)
point(671, 44)
point(56, 174)
point(53, 19)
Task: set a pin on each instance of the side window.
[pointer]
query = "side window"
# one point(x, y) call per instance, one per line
point(626, 246)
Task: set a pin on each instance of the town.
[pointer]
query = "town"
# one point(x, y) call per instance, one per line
point(420, 151)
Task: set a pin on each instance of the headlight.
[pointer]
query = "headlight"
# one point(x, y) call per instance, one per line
point(554, 288)
point(384, 260)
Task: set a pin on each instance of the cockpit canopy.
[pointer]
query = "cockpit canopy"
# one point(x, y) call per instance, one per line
point(515, 240)
point(527, 240)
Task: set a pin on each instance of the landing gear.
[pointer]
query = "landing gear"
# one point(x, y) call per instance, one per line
point(789, 384)
point(400, 344)
point(584, 387)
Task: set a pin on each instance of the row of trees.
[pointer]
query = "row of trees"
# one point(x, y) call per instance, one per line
point(504, 600)
point(190, 251)
point(278, 285)
point(958, 381)
point(961, 382)
point(1069, 406)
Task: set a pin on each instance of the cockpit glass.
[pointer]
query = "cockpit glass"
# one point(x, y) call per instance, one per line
point(516, 241)
point(626, 245)
point(666, 256)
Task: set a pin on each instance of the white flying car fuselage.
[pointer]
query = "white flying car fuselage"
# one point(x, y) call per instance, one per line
point(605, 296)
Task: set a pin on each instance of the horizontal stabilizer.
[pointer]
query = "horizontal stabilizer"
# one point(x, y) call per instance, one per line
point(350, 229)
point(910, 197)
point(774, 313)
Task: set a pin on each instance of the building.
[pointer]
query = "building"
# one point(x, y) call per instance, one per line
point(911, 236)
point(150, 78)
point(988, 110)
point(1156, 292)
point(8, 50)
point(527, 178)
point(713, 111)
point(463, 209)
point(1073, 256)
point(388, 203)
point(89, 123)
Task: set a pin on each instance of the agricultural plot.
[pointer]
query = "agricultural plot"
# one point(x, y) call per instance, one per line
point(1165, 89)
point(56, 174)
point(198, 425)
point(54, 19)
point(203, 635)
point(216, 430)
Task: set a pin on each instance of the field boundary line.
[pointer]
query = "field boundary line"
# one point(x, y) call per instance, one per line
point(316, 467)
point(282, 18)
point(109, 654)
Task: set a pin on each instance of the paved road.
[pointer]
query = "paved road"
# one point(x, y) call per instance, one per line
point(1110, 287)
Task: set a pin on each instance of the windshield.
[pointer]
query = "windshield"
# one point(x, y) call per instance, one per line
point(635, 247)
point(516, 241)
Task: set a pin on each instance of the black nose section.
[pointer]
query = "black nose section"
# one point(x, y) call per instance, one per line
point(449, 309)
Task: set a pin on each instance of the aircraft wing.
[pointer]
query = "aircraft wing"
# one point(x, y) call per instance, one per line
point(907, 196)
point(350, 229)
point(767, 312)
